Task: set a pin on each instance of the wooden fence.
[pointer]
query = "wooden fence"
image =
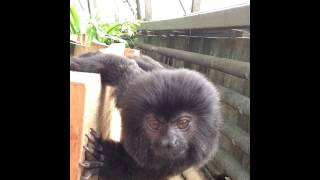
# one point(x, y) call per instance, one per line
point(216, 44)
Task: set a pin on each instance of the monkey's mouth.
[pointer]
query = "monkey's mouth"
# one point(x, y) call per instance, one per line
point(167, 153)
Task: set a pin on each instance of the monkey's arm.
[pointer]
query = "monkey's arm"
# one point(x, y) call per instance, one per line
point(114, 70)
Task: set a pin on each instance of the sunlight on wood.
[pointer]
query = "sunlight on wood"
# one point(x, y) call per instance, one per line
point(115, 125)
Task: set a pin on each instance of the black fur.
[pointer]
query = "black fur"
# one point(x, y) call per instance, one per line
point(152, 89)
point(147, 63)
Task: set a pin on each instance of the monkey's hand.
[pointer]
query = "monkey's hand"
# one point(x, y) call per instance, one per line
point(93, 156)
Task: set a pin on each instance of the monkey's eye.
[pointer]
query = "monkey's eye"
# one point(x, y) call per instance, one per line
point(154, 124)
point(183, 123)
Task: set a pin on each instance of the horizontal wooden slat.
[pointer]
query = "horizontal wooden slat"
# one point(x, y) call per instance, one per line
point(236, 100)
point(238, 137)
point(233, 17)
point(233, 67)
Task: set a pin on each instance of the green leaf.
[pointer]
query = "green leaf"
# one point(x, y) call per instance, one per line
point(91, 33)
point(112, 27)
point(74, 20)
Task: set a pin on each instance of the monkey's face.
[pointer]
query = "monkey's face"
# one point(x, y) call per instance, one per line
point(169, 136)
point(170, 119)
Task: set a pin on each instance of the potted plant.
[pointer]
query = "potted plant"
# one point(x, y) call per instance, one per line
point(99, 35)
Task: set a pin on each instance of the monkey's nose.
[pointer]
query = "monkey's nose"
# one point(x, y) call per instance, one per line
point(169, 143)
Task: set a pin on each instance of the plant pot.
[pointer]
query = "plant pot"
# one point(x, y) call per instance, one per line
point(79, 38)
point(78, 49)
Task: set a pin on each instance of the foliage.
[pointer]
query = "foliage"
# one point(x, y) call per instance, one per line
point(123, 32)
point(74, 21)
point(119, 32)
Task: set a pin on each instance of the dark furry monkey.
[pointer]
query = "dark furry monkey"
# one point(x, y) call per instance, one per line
point(170, 119)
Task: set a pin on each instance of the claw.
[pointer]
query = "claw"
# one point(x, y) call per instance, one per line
point(94, 153)
point(95, 133)
point(97, 146)
point(91, 164)
point(85, 177)
point(93, 159)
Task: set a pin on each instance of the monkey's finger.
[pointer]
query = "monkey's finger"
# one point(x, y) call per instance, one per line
point(95, 137)
point(94, 153)
point(94, 131)
point(94, 147)
point(95, 134)
point(89, 156)
point(97, 145)
point(89, 173)
point(91, 164)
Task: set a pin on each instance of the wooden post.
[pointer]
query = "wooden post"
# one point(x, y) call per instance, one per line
point(138, 9)
point(86, 94)
point(195, 5)
point(148, 10)
point(107, 120)
point(77, 91)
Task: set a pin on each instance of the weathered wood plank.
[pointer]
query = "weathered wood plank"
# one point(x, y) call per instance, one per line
point(236, 100)
point(232, 167)
point(238, 137)
point(77, 96)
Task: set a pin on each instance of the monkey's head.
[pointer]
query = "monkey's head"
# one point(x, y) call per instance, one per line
point(171, 119)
